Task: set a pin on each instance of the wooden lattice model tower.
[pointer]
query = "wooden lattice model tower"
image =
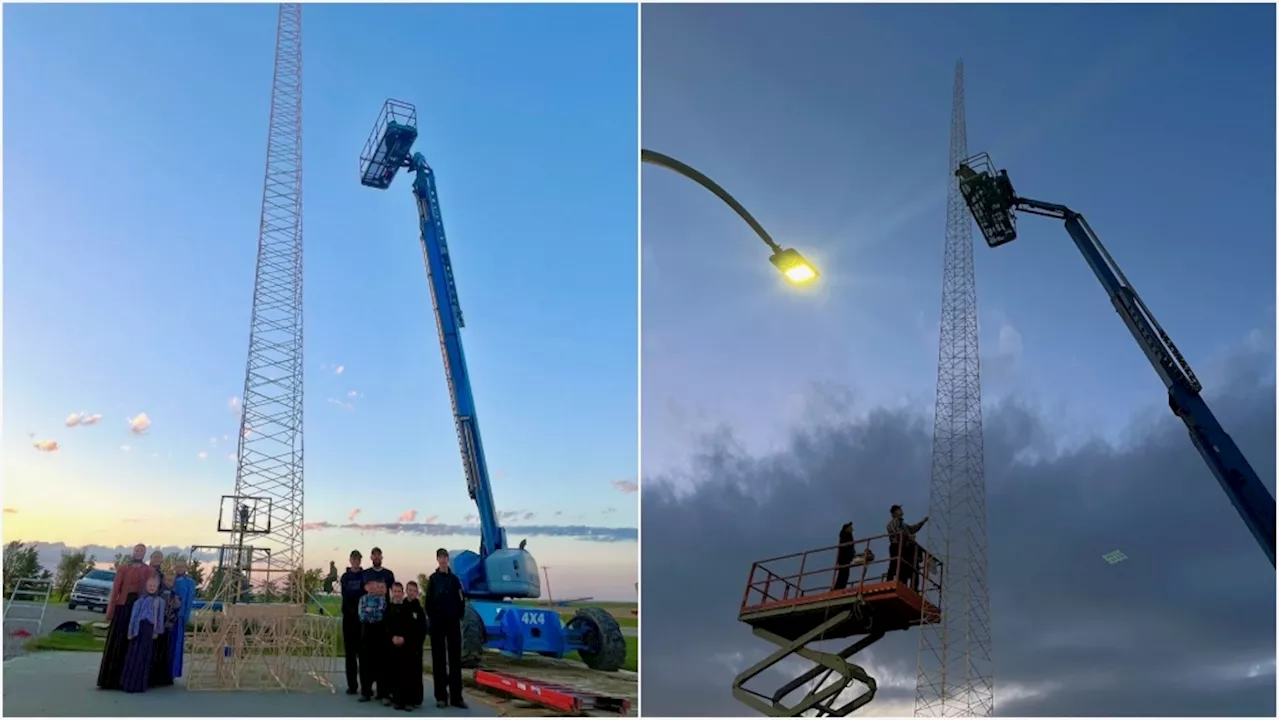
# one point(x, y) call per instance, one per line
point(259, 646)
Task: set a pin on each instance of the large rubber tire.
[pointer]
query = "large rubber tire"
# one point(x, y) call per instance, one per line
point(71, 606)
point(606, 646)
point(472, 638)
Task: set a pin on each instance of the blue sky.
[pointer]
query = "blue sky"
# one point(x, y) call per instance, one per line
point(830, 124)
point(134, 156)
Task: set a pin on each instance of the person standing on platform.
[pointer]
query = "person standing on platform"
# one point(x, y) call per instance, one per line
point(413, 682)
point(844, 557)
point(446, 606)
point(902, 547)
point(157, 564)
point(352, 586)
point(184, 587)
point(130, 583)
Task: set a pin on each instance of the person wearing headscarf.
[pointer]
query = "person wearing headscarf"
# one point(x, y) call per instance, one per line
point(184, 588)
point(844, 557)
point(145, 623)
point(162, 653)
point(130, 583)
point(847, 558)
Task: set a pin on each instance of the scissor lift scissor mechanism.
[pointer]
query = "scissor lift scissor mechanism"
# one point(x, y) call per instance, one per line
point(799, 600)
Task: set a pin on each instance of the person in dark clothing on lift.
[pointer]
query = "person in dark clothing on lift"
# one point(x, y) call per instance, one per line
point(903, 567)
point(846, 557)
point(352, 585)
point(445, 605)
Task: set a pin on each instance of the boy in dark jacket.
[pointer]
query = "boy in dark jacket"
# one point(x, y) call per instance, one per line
point(446, 606)
point(413, 682)
point(403, 620)
point(352, 585)
point(373, 642)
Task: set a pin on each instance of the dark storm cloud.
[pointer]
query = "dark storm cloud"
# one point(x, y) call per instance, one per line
point(1185, 626)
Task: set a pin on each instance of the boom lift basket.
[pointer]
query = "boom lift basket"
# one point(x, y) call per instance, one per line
point(990, 197)
point(795, 600)
point(388, 146)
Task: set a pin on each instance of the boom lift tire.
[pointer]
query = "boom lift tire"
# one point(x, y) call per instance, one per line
point(601, 633)
point(472, 638)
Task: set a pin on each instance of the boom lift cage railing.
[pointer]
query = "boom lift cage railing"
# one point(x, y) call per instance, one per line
point(793, 602)
point(374, 169)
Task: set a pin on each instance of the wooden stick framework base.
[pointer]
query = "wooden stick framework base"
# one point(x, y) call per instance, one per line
point(259, 647)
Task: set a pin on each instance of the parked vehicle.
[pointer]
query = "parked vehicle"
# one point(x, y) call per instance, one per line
point(92, 590)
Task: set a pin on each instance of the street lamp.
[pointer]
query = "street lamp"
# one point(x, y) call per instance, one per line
point(789, 261)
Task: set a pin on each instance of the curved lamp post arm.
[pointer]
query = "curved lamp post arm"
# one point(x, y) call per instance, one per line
point(670, 163)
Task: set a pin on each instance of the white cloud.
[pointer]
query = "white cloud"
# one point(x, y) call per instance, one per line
point(202, 455)
point(140, 424)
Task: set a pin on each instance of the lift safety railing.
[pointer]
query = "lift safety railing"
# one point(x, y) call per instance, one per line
point(796, 601)
point(811, 575)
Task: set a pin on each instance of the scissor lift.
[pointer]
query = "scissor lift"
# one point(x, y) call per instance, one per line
point(793, 602)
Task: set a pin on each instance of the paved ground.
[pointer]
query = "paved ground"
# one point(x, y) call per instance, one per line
point(54, 616)
point(61, 684)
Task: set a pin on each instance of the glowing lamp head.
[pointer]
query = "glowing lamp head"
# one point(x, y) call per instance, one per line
point(794, 267)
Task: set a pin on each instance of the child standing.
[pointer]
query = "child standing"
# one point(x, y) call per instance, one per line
point(418, 615)
point(144, 627)
point(162, 655)
point(400, 628)
point(373, 641)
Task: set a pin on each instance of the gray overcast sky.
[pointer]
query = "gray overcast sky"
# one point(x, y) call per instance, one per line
point(770, 417)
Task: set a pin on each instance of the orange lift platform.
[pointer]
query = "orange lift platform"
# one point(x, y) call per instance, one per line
point(795, 601)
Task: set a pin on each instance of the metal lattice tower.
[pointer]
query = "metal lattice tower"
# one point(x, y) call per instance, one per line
point(954, 673)
point(269, 469)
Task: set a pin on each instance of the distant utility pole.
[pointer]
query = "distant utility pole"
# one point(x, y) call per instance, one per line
point(546, 573)
point(954, 674)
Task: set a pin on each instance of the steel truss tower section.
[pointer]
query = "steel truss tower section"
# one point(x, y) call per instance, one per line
point(954, 673)
point(270, 446)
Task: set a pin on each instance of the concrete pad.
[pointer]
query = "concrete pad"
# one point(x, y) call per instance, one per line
point(61, 684)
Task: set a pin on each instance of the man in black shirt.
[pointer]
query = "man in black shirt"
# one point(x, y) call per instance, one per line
point(352, 584)
point(445, 608)
point(377, 572)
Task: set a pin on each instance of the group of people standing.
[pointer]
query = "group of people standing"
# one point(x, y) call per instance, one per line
point(385, 625)
point(147, 614)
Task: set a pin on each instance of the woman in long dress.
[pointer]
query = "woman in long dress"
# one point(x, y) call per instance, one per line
point(130, 582)
point(162, 654)
point(144, 627)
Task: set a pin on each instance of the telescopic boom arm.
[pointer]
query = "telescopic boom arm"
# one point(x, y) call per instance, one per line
point(992, 201)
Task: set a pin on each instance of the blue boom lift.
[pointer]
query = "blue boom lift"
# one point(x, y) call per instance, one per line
point(992, 202)
point(498, 573)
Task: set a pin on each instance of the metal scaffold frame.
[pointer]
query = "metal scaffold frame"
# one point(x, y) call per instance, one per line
point(269, 453)
point(954, 668)
point(236, 644)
